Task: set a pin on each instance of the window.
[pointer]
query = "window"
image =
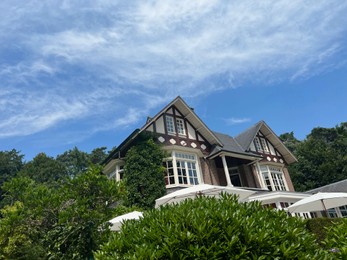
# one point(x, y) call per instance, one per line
point(170, 127)
point(182, 169)
point(273, 177)
point(180, 126)
point(284, 205)
point(235, 177)
point(169, 174)
point(332, 213)
point(343, 210)
point(257, 145)
point(264, 144)
point(118, 172)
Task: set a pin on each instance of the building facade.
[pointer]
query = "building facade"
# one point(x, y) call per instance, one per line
point(254, 159)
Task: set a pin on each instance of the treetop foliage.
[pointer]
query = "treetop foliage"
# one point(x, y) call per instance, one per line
point(322, 157)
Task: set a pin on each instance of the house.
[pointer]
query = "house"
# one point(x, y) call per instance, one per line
point(254, 159)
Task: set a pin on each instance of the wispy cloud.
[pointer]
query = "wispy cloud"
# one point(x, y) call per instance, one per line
point(236, 121)
point(104, 61)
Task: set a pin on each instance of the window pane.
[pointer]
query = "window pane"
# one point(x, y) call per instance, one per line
point(169, 173)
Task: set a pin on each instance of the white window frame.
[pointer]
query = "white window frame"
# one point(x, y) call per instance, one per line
point(273, 177)
point(185, 166)
point(170, 124)
point(264, 145)
point(181, 130)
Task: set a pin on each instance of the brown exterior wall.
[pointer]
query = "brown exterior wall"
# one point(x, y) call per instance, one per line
point(248, 175)
point(209, 171)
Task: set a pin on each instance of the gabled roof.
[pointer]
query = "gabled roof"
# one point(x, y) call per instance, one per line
point(230, 145)
point(246, 138)
point(190, 115)
point(340, 186)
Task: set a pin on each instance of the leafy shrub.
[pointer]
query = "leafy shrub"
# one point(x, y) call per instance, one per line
point(336, 239)
point(208, 228)
point(320, 226)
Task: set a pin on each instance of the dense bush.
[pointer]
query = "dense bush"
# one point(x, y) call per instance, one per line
point(320, 226)
point(208, 228)
point(336, 239)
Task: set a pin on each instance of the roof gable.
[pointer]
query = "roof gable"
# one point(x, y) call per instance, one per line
point(189, 114)
point(246, 138)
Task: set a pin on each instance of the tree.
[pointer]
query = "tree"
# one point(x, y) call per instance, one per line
point(90, 200)
point(75, 161)
point(98, 155)
point(66, 221)
point(44, 169)
point(290, 141)
point(208, 228)
point(322, 158)
point(11, 162)
point(144, 173)
point(30, 211)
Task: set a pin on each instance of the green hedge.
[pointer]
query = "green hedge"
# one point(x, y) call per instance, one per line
point(320, 226)
point(207, 228)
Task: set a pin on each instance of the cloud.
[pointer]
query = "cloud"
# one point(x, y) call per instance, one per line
point(104, 61)
point(236, 121)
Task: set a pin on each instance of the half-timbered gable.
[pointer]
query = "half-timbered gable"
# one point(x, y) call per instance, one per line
point(271, 170)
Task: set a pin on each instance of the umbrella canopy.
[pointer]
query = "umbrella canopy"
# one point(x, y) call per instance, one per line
point(117, 222)
point(319, 202)
point(202, 189)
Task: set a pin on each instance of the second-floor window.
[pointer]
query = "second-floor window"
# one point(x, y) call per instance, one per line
point(180, 126)
point(173, 125)
point(273, 177)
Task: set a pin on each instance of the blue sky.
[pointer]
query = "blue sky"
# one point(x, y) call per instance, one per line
point(87, 73)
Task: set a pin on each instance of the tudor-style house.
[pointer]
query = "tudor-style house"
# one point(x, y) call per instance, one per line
point(254, 159)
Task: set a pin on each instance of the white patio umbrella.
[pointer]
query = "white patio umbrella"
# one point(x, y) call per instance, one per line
point(202, 189)
point(117, 222)
point(320, 201)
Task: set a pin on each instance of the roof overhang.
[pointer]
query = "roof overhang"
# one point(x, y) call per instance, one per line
point(236, 155)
